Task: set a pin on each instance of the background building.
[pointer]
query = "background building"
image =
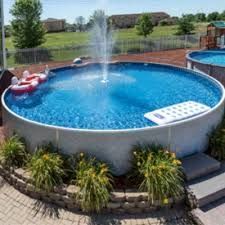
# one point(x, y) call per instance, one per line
point(130, 20)
point(54, 25)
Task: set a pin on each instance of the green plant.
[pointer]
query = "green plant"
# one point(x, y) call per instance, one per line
point(46, 169)
point(144, 25)
point(185, 26)
point(159, 172)
point(94, 180)
point(13, 152)
point(217, 142)
point(27, 28)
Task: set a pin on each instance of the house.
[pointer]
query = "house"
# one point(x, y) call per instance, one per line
point(54, 25)
point(130, 20)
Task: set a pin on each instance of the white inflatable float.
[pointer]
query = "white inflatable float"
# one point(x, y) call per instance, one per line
point(176, 112)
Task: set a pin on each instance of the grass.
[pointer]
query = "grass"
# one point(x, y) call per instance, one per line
point(80, 38)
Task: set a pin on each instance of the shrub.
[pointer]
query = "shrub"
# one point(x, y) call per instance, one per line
point(13, 152)
point(159, 172)
point(217, 142)
point(185, 26)
point(94, 180)
point(46, 169)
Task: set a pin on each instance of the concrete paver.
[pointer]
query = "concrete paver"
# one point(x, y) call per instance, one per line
point(19, 209)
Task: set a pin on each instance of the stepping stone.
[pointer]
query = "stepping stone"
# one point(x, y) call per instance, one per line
point(199, 165)
point(209, 188)
point(211, 214)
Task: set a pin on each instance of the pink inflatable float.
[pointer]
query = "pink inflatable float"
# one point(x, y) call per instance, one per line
point(28, 83)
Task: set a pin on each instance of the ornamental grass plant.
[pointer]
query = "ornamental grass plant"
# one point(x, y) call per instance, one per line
point(159, 172)
point(13, 152)
point(46, 169)
point(217, 142)
point(94, 181)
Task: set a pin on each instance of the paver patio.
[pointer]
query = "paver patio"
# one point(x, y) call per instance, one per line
point(18, 209)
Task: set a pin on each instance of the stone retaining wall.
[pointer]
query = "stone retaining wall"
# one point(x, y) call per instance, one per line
point(128, 201)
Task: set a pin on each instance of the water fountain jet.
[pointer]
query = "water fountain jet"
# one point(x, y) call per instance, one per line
point(102, 41)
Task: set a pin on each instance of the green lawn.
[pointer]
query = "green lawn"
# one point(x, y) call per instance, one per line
point(69, 38)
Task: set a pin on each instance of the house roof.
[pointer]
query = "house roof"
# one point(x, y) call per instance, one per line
point(52, 20)
point(218, 24)
point(138, 14)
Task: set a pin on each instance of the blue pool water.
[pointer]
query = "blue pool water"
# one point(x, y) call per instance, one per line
point(76, 98)
point(210, 57)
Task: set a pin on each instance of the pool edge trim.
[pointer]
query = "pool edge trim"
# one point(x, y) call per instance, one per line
point(108, 131)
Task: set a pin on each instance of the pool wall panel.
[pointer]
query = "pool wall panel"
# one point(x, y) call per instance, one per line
point(215, 71)
point(184, 138)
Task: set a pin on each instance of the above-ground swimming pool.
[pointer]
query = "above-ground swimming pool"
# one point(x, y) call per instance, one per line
point(209, 62)
point(78, 112)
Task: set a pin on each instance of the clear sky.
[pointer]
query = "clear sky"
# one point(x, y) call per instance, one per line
point(70, 9)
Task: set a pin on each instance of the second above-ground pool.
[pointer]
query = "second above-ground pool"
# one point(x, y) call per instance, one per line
point(209, 57)
point(78, 112)
point(209, 62)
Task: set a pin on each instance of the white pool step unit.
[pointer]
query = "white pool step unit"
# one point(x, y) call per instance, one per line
point(176, 112)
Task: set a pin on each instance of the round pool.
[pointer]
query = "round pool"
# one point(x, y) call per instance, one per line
point(78, 112)
point(209, 62)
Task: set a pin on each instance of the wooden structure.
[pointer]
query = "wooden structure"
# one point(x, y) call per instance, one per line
point(215, 35)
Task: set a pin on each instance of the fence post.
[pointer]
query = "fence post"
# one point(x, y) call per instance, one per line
point(185, 41)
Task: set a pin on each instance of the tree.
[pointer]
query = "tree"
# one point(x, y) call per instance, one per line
point(200, 17)
point(222, 15)
point(80, 23)
point(185, 26)
point(100, 19)
point(213, 16)
point(8, 30)
point(144, 25)
point(190, 17)
point(27, 28)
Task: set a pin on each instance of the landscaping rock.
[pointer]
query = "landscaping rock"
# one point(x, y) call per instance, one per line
point(61, 190)
point(67, 199)
point(19, 173)
point(60, 203)
point(113, 205)
point(34, 195)
point(55, 196)
point(143, 204)
point(21, 184)
point(13, 179)
point(132, 196)
point(30, 187)
point(128, 205)
point(27, 176)
point(72, 190)
point(71, 206)
point(144, 196)
point(117, 196)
